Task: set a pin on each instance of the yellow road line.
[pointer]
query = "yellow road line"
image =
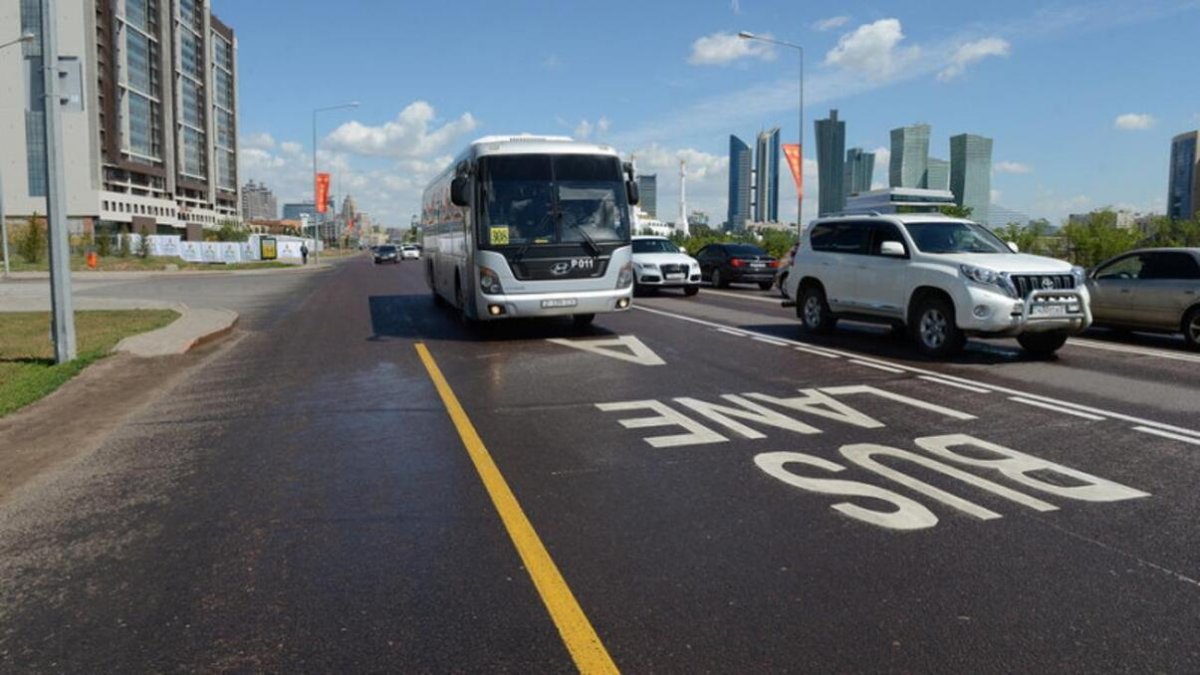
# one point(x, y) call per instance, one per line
point(577, 633)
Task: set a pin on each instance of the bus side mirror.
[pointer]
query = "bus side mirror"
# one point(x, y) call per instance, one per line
point(632, 192)
point(458, 191)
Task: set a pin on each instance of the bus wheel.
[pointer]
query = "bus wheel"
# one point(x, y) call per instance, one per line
point(461, 301)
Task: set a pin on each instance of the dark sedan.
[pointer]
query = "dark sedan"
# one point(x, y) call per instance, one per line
point(386, 254)
point(723, 264)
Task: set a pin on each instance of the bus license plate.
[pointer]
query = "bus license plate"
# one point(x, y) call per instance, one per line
point(1048, 310)
point(559, 302)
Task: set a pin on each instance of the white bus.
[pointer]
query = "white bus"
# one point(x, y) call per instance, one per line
point(528, 226)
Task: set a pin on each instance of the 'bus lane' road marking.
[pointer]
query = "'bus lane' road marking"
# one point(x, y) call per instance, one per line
point(577, 633)
point(623, 348)
point(946, 378)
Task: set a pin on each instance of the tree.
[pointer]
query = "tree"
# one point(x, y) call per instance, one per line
point(229, 230)
point(1096, 238)
point(956, 211)
point(1165, 231)
point(32, 243)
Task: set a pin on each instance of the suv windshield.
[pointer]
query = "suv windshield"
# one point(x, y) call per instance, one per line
point(954, 237)
point(552, 199)
point(654, 246)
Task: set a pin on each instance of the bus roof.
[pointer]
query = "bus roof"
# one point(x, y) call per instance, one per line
point(530, 143)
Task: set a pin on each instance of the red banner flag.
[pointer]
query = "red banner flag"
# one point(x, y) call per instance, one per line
point(792, 152)
point(322, 192)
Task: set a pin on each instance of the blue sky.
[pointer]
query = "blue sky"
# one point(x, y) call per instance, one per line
point(1081, 97)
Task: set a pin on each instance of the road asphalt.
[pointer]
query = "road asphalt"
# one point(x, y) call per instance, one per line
point(717, 492)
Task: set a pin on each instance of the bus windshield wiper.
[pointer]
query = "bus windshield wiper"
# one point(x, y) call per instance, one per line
point(555, 213)
point(587, 238)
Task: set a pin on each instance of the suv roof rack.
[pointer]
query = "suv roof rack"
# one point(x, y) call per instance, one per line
point(851, 213)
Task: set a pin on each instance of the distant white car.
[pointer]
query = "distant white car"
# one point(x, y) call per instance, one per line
point(410, 252)
point(658, 263)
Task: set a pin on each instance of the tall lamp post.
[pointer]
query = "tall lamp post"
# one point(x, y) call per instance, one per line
point(746, 35)
point(316, 206)
point(25, 37)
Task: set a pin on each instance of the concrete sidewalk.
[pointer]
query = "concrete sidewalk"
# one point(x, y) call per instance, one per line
point(101, 275)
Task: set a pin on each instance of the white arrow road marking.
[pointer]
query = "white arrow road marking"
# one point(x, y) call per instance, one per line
point(624, 348)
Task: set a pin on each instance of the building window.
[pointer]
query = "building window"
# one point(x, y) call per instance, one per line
point(141, 125)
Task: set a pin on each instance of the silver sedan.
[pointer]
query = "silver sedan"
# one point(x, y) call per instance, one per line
point(1153, 289)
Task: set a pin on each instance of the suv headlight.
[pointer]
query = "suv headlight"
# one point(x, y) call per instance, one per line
point(1080, 275)
point(625, 278)
point(987, 277)
point(489, 281)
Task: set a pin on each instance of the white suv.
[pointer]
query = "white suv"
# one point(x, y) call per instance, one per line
point(658, 263)
point(940, 278)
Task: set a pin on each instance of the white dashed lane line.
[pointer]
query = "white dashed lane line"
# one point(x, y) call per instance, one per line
point(960, 385)
point(1055, 408)
point(1080, 410)
point(876, 366)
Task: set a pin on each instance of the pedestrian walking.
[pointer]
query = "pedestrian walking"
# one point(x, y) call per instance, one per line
point(304, 253)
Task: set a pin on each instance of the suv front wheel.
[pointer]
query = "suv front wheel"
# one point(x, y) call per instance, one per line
point(934, 330)
point(814, 312)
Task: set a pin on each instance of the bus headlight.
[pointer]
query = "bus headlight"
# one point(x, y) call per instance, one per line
point(489, 281)
point(625, 278)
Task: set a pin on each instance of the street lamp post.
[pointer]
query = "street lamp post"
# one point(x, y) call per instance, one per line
point(316, 211)
point(746, 35)
point(25, 37)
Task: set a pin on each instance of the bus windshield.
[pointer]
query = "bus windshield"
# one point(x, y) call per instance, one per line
point(531, 200)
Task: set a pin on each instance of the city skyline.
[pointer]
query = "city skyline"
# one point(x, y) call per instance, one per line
point(766, 173)
point(831, 148)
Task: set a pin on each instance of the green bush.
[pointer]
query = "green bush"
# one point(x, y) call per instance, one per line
point(32, 242)
point(123, 246)
point(103, 244)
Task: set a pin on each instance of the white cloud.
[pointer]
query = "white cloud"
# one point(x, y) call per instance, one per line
point(262, 141)
point(971, 52)
point(1011, 167)
point(736, 6)
point(883, 158)
point(584, 129)
point(411, 134)
point(291, 148)
point(722, 48)
point(707, 180)
point(874, 50)
point(831, 23)
point(1134, 121)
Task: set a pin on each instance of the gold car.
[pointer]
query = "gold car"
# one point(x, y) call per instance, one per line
point(1154, 289)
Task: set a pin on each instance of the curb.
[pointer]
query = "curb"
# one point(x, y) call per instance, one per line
point(193, 328)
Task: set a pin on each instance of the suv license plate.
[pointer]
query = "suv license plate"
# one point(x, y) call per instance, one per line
point(1048, 310)
point(674, 277)
point(559, 302)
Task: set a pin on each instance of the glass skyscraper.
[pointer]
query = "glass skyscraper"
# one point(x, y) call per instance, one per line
point(858, 173)
point(766, 189)
point(971, 173)
point(937, 174)
point(909, 167)
point(1183, 191)
point(831, 151)
point(739, 184)
point(648, 193)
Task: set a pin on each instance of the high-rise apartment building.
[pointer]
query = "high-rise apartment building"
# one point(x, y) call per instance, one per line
point(766, 170)
point(648, 193)
point(258, 202)
point(1183, 189)
point(739, 184)
point(152, 143)
point(971, 173)
point(831, 153)
point(858, 173)
point(909, 166)
point(937, 174)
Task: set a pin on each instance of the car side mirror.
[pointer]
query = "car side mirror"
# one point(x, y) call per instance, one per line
point(631, 191)
point(458, 191)
point(893, 249)
point(1012, 246)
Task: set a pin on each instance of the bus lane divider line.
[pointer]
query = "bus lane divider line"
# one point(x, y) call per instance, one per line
point(580, 638)
point(1057, 409)
point(949, 383)
point(1167, 434)
point(1048, 400)
point(876, 366)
